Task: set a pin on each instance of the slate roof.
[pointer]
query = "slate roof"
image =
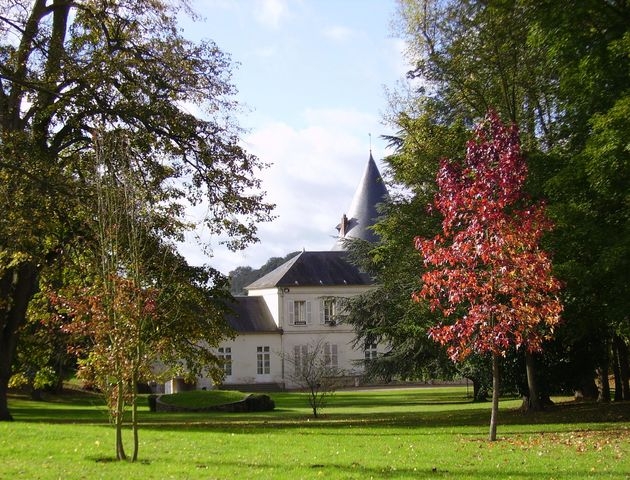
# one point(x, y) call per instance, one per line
point(328, 268)
point(363, 211)
point(250, 314)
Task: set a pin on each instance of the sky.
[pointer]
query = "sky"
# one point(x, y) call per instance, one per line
point(312, 76)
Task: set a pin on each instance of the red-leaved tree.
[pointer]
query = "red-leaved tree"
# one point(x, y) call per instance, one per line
point(486, 271)
point(110, 330)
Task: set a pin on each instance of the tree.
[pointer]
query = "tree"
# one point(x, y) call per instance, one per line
point(471, 56)
point(42, 361)
point(467, 56)
point(129, 315)
point(387, 314)
point(487, 273)
point(588, 48)
point(112, 316)
point(70, 68)
point(560, 71)
point(315, 371)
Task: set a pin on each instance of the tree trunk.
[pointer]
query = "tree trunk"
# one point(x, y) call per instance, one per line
point(479, 393)
point(532, 403)
point(120, 413)
point(624, 368)
point(313, 399)
point(5, 415)
point(604, 391)
point(476, 389)
point(17, 286)
point(616, 374)
point(495, 397)
point(134, 415)
point(602, 374)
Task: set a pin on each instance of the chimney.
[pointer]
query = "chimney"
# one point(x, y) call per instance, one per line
point(343, 226)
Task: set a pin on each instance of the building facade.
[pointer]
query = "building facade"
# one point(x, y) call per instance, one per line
point(299, 304)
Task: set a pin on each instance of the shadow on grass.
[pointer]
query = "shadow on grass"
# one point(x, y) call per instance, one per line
point(112, 459)
point(585, 414)
point(346, 410)
point(361, 471)
point(419, 397)
point(72, 407)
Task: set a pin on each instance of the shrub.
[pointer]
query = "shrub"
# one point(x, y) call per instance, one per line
point(259, 403)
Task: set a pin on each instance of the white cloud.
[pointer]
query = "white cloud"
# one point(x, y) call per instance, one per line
point(314, 173)
point(271, 12)
point(292, 70)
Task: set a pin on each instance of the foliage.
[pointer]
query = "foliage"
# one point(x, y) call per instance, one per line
point(471, 56)
point(68, 70)
point(110, 319)
point(130, 315)
point(559, 70)
point(486, 273)
point(400, 330)
point(487, 258)
point(589, 49)
point(387, 315)
point(42, 361)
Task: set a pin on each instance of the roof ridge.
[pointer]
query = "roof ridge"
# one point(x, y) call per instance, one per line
point(285, 267)
point(315, 269)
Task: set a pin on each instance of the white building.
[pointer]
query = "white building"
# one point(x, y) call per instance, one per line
point(297, 304)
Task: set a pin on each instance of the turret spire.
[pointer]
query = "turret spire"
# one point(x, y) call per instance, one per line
point(363, 211)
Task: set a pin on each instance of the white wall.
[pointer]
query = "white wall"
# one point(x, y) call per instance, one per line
point(245, 362)
point(244, 355)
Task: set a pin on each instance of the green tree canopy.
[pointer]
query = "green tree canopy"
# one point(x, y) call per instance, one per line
point(70, 69)
point(561, 71)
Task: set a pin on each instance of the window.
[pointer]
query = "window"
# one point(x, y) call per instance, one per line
point(328, 312)
point(330, 355)
point(300, 312)
point(263, 361)
point(370, 351)
point(225, 355)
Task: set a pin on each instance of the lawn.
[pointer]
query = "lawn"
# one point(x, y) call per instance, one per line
point(393, 434)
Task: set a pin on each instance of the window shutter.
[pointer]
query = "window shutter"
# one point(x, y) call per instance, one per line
point(322, 306)
point(291, 310)
point(333, 355)
point(308, 313)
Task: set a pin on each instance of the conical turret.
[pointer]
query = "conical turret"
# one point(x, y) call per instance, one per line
point(363, 211)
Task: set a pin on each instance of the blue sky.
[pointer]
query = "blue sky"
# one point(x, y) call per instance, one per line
point(312, 76)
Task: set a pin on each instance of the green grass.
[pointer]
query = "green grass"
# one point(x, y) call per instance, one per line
point(202, 398)
point(426, 433)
